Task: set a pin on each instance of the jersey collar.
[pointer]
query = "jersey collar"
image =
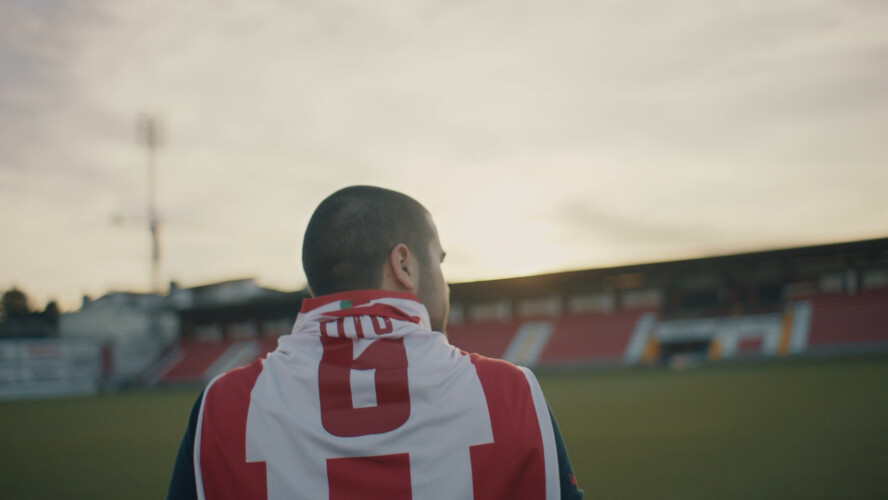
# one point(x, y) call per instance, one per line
point(355, 298)
point(404, 306)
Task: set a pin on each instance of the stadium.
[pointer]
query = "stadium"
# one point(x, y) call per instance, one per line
point(670, 212)
point(758, 374)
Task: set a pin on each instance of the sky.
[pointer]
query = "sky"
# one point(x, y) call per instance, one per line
point(542, 136)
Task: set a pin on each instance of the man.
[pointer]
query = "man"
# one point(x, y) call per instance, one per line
point(366, 398)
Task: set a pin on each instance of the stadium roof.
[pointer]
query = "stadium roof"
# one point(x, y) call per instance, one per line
point(857, 254)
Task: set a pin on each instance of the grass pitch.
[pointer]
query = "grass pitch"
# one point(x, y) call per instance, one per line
point(801, 429)
point(798, 429)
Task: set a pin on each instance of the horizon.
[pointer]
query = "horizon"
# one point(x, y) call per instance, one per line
point(166, 289)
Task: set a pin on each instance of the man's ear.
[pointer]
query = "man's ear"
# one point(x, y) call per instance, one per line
point(403, 269)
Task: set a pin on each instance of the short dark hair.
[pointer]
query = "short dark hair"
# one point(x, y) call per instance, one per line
point(352, 232)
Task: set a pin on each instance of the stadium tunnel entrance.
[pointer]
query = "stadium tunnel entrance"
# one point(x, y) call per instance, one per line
point(685, 352)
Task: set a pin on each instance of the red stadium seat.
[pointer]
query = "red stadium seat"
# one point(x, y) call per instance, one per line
point(590, 337)
point(848, 319)
point(488, 338)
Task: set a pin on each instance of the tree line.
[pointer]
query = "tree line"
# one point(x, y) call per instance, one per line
point(19, 320)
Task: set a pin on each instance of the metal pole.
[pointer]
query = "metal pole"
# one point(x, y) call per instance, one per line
point(154, 224)
point(150, 134)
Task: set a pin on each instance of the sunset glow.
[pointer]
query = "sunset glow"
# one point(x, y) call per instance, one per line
point(541, 138)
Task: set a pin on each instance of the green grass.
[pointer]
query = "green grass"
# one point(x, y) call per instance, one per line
point(110, 446)
point(811, 429)
point(803, 429)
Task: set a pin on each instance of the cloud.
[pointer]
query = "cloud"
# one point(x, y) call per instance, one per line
point(580, 217)
point(648, 128)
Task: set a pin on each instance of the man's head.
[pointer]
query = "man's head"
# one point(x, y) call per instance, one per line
point(364, 237)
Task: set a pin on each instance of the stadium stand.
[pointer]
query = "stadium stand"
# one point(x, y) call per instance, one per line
point(749, 346)
point(785, 302)
point(528, 343)
point(590, 337)
point(838, 318)
point(196, 358)
point(488, 338)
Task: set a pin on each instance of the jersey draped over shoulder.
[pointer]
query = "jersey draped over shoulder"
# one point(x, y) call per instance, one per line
point(363, 400)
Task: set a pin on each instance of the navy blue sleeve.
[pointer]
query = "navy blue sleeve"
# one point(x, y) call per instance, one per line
point(182, 484)
point(569, 488)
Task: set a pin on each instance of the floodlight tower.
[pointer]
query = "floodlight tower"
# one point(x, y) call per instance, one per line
point(150, 133)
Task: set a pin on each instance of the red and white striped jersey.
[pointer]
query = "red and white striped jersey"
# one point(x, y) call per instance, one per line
point(363, 400)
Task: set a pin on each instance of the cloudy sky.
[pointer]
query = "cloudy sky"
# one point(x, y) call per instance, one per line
point(543, 136)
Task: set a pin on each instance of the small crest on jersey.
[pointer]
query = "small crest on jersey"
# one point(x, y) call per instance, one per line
point(345, 304)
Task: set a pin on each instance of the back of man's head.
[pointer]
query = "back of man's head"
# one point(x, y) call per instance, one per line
point(352, 232)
